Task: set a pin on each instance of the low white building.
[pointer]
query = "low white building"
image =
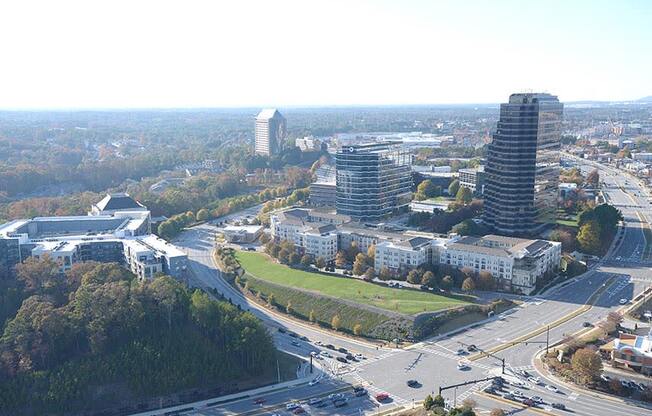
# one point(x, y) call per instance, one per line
point(241, 233)
point(516, 263)
point(398, 256)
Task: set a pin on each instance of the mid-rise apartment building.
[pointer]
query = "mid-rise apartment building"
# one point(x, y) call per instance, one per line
point(473, 178)
point(271, 132)
point(516, 263)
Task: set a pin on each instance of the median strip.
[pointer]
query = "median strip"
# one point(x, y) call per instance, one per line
point(513, 403)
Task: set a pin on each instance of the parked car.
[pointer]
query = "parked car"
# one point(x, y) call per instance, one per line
point(605, 378)
point(509, 396)
point(251, 249)
point(623, 301)
point(293, 335)
point(342, 350)
point(325, 354)
point(342, 360)
point(537, 399)
point(330, 346)
point(299, 410)
point(528, 402)
point(339, 403)
point(282, 330)
point(360, 392)
point(461, 352)
point(350, 357)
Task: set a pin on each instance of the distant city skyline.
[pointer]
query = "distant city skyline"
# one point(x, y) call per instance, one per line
point(198, 54)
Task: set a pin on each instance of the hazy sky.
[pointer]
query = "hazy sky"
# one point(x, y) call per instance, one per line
point(232, 53)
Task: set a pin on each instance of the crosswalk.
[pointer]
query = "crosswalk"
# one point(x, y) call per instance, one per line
point(573, 396)
point(430, 350)
point(373, 390)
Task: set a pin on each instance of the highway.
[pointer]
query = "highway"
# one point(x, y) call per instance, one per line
point(434, 363)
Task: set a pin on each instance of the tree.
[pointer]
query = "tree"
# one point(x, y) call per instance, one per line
point(464, 195)
point(270, 300)
point(385, 274)
point(593, 178)
point(357, 329)
point(360, 264)
point(586, 365)
point(469, 403)
point(203, 214)
point(427, 189)
point(414, 277)
point(320, 262)
point(336, 322)
point(497, 412)
point(486, 281)
point(428, 402)
point(40, 276)
point(369, 274)
point(446, 283)
point(312, 316)
point(294, 258)
point(340, 259)
point(288, 307)
point(306, 260)
point(454, 187)
point(468, 285)
point(589, 237)
point(466, 227)
point(428, 279)
point(371, 253)
point(352, 251)
point(439, 401)
point(566, 239)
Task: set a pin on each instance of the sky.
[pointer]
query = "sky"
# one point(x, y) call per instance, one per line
point(240, 53)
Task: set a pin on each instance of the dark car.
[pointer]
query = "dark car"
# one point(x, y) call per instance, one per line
point(350, 357)
point(330, 346)
point(412, 383)
point(304, 338)
point(560, 406)
point(339, 403)
point(490, 390)
point(424, 287)
point(587, 325)
point(472, 348)
point(282, 330)
point(251, 249)
point(342, 350)
point(360, 392)
point(528, 402)
point(293, 335)
point(342, 360)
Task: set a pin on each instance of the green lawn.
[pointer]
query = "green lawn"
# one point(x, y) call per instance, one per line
point(397, 300)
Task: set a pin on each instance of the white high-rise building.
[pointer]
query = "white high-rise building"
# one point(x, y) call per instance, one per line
point(271, 131)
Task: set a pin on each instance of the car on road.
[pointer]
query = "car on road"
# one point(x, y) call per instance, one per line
point(359, 357)
point(325, 354)
point(462, 366)
point(360, 392)
point(282, 330)
point(412, 383)
point(293, 335)
point(313, 382)
point(291, 406)
point(350, 357)
point(641, 386)
point(528, 402)
point(314, 401)
point(472, 348)
point(304, 338)
point(319, 343)
point(605, 378)
point(339, 402)
point(537, 399)
point(295, 343)
point(259, 400)
point(330, 346)
point(509, 396)
point(559, 406)
point(381, 397)
point(588, 325)
point(343, 350)
point(552, 388)
point(623, 301)
point(461, 352)
point(534, 380)
point(335, 396)
point(342, 360)
point(517, 393)
point(490, 390)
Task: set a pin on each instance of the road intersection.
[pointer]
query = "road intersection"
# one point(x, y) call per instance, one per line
point(434, 363)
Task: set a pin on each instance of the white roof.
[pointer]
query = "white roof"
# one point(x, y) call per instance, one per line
point(267, 113)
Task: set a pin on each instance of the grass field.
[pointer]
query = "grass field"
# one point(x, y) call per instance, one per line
point(403, 301)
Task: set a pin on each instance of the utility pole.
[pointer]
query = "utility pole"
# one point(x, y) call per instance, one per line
point(311, 364)
point(547, 339)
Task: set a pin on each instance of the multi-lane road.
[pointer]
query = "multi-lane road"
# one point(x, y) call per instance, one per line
point(434, 363)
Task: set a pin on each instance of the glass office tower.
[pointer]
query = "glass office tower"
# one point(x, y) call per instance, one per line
point(522, 169)
point(373, 181)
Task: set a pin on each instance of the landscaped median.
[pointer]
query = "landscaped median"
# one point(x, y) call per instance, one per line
point(352, 305)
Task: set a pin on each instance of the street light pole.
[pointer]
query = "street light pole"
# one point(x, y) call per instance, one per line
point(547, 339)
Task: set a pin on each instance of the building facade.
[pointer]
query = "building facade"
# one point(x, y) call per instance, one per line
point(522, 169)
point(633, 352)
point(473, 178)
point(373, 181)
point(271, 132)
point(401, 256)
point(114, 231)
point(517, 264)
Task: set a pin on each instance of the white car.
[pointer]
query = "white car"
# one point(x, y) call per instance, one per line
point(313, 382)
point(462, 366)
point(552, 388)
point(291, 406)
point(359, 357)
point(623, 301)
point(314, 401)
point(534, 380)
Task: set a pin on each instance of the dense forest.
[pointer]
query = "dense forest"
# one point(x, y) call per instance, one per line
point(99, 332)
